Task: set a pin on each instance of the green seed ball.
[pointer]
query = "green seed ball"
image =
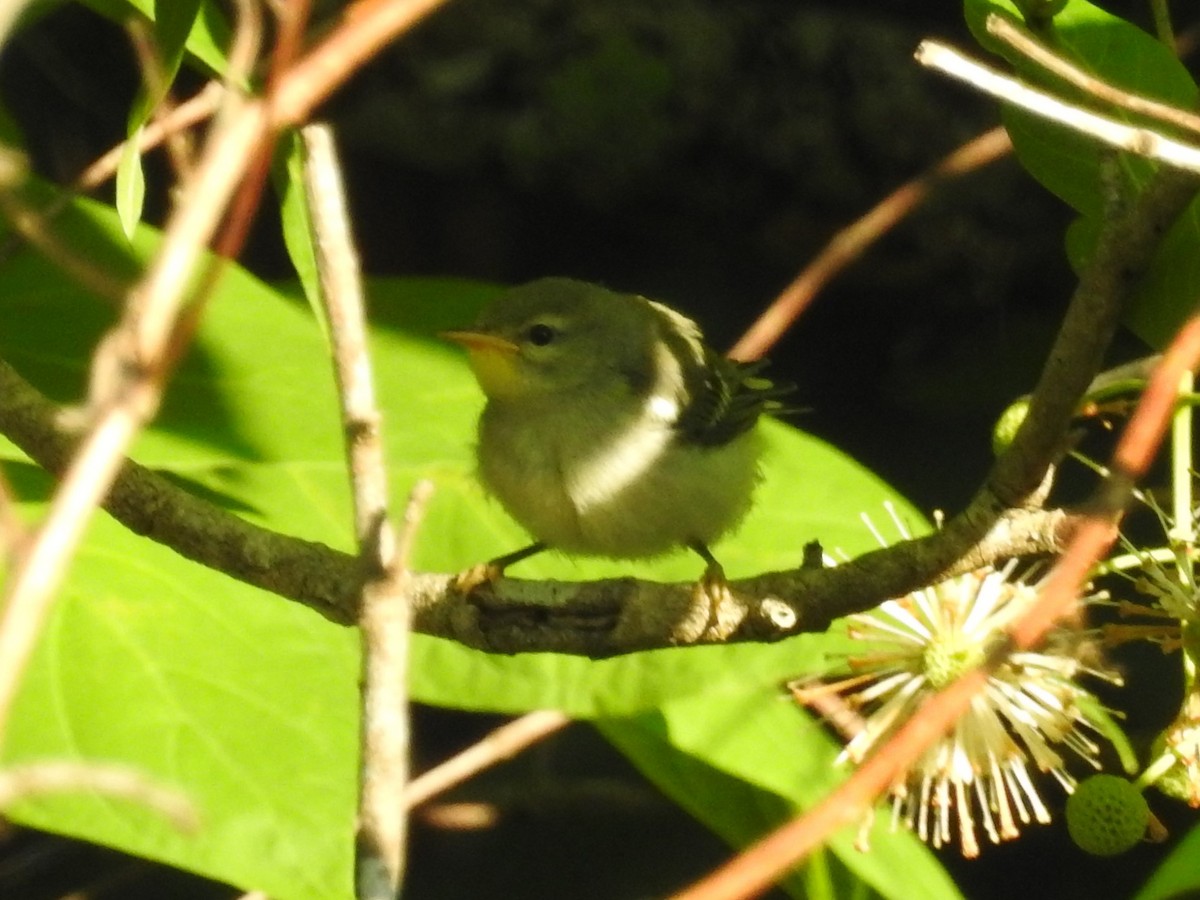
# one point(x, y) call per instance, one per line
point(1106, 815)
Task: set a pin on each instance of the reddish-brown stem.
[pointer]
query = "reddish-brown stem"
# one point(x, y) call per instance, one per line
point(851, 242)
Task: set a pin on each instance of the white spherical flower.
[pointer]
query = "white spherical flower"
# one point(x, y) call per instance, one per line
point(1031, 717)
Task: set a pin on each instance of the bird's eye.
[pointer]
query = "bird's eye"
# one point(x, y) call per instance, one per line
point(541, 334)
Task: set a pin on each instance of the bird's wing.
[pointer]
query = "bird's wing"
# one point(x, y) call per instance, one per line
point(721, 398)
point(728, 399)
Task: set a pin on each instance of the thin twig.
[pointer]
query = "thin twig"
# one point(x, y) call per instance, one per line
point(21, 782)
point(1122, 253)
point(852, 241)
point(1004, 30)
point(754, 870)
point(1131, 459)
point(384, 610)
point(291, 23)
point(505, 742)
point(383, 768)
point(341, 288)
point(1141, 141)
point(316, 575)
point(245, 201)
point(246, 48)
point(241, 206)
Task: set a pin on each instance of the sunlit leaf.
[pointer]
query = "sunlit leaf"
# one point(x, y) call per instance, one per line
point(131, 184)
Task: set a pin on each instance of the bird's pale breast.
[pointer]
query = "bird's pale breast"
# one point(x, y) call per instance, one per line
point(629, 488)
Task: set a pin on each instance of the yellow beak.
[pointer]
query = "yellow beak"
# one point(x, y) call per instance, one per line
point(478, 340)
point(493, 360)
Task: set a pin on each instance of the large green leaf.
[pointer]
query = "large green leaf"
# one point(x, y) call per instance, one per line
point(245, 704)
point(1083, 172)
point(248, 701)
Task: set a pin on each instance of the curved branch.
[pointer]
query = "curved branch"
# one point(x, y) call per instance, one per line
point(622, 615)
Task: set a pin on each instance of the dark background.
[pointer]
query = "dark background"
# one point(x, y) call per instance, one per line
point(699, 152)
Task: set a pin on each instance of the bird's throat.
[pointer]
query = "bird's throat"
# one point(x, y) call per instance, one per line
point(496, 371)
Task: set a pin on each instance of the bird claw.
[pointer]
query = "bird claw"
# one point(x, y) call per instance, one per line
point(491, 571)
point(470, 580)
point(711, 591)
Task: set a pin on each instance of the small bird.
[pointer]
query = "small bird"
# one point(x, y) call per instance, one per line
point(610, 428)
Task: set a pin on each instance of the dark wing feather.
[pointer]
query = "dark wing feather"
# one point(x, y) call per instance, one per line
point(721, 398)
point(726, 399)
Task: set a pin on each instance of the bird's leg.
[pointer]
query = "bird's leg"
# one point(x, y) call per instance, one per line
point(487, 572)
point(712, 588)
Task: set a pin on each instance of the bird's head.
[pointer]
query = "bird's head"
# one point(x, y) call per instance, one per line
point(554, 336)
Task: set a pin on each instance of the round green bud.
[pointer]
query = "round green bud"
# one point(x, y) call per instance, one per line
point(1106, 815)
point(1006, 426)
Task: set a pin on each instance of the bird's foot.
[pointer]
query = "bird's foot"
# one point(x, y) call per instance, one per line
point(491, 571)
point(475, 577)
point(710, 592)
